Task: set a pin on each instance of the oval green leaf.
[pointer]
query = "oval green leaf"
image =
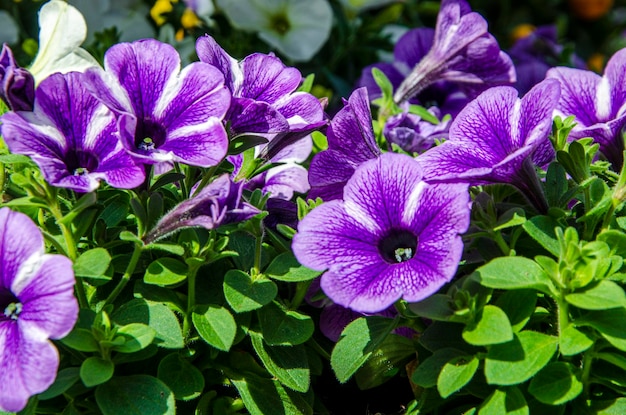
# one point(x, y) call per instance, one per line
point(215, 325)
point(135, 395)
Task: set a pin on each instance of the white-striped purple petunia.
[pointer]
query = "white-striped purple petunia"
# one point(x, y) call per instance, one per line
point(498, 138)
point(463, 52)
point(265, 100)
point(167, 114)
point(36, 304)
point(392, 236)
point(350, 143)
point(598, 103)
point(72, 137)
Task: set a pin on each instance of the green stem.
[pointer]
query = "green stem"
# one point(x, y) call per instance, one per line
point(562, 313)
point(301, 289)
point(205, 180)
point(504, 247)
point(130, 269)
point(586, 370)
point(258, 251)
point(191, 298)
point(183, 183)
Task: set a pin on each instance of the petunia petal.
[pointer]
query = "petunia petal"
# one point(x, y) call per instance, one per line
point(20, 241)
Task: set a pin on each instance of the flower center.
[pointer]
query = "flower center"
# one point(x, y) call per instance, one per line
point(149, 135)
point(10, 306)
point(398, 246)
point(80, 163)
point(280, 24)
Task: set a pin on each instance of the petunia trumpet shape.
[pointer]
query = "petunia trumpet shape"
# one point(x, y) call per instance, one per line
point(350, 143)
point(36, 304)
point(598, 103)
point(498, 138)
point(463, 52)
point(167, 114)
point(217, 204)
point(72, 137)
point(17, 85)
point(265, 97)
point(392, 236)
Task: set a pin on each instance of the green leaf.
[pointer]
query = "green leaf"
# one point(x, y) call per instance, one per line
point(383, 83)
point(385, 362)
point(601, 296)
point(610, 323)
point(423, 113)
point(158, 316)
point(572, 341)
point(556, 184)
point(183, 378)
point(137, 336)
point(428, 370)
point(166, 247)
point(556, 384)
point(288, 364)
point(243, 294)
point(96, 370)
point(265, 396)
point(609, 407)
point(510, 273)
point(135, 395)
point(215, 325)
point(115, 210)
point(455, 374)
point(285, 267)
point(282, 327)
point(510, 218)
point(541, 229)
point(435, 307)
point(518, 360)
point(504, 401)
point(65, 379)
point(358, 341)
point(81, 340)
point(166, 272)
point(92, 263)
point(492, 327)
point(519, 306)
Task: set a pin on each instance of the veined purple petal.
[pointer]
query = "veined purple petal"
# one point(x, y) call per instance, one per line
point(249, 116)
point(578, 94)
point(267, 79)
point(27, 367)
point(36, 303)
point(177, 114)
point(72, 137)
point(209, 51)
point(616, 77)
point(392, 236)
point(413, 46)
point(457, 26)
point(282, 181)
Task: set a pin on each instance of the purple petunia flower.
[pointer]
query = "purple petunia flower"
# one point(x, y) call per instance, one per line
point(462, 52)
point(17, 85)
point(498, 138)
point(414, 134)
point(265, 100)
point(72, 137)
point(217, 204)
point(350, 142)
point(167, 114)
point(410, 49)
point(392, 236)
point(36, 303)
point(535, 53)
point(598, 103)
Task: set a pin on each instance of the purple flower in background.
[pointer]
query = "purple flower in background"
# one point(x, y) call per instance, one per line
point(265, 100)
point(414, 134)
point(287, 177)
point(535, 53)
point(408, 52)
point(462, 52)
point(598, 103)
point(392, 236)
point(217, 204)
point(36, 304)
point(167, 114)
point(350, 143)
point(72, 137)
point(498, 138)
point(17, 85)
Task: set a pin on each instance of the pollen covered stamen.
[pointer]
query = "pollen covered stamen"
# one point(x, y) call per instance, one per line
point(13, 310)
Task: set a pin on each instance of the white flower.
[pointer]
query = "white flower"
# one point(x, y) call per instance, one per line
point(296, 28)
point(62, 31)
point(8, 29)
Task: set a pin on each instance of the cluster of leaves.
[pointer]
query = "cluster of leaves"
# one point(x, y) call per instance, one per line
point(539, 328)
